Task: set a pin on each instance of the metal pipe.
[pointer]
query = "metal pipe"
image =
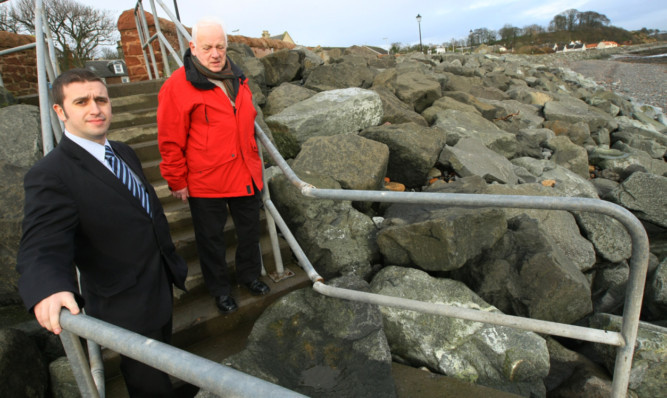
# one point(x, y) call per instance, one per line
point(174, 19)
point(291, 240)
point(78, 363)
point(18, 48)
point(158, 32)
point(270, 222)
point(145, 43)
point(47, 135)
point(97, 366)
point(170, 49)
point(534, 325)
point(211, 376)
point(138, 23)
point(51, 47)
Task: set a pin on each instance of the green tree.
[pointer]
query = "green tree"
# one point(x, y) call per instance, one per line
point(591, 19)
point(508, 34)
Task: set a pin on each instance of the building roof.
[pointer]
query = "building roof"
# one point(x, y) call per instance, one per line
point(107, 68)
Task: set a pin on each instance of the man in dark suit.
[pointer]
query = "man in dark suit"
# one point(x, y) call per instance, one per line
point(79, 212)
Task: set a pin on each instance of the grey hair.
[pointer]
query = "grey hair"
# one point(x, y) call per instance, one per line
point(207, 21)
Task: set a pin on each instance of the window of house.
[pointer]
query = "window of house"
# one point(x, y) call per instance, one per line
point(118, 68)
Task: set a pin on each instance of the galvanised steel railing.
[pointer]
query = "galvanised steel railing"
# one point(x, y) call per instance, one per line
point(624, 340)
point(214, 377)
point(46, 65)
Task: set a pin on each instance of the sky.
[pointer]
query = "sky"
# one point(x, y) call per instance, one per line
point(343, 23)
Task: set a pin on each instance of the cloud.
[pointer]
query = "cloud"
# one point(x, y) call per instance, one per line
point(548, 11)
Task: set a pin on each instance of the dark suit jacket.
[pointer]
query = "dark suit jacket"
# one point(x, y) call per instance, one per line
point(78, 213)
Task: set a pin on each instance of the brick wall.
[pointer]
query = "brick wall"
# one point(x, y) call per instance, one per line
point(19, 69)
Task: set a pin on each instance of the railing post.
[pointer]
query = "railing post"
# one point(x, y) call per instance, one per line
point(47, 135)
point(79, 364)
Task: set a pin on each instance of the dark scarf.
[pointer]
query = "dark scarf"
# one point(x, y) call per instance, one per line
point(198, 75)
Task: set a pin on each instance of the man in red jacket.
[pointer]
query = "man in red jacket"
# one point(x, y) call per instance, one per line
point(206, 136)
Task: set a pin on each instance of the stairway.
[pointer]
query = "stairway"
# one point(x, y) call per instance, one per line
point(198, 326)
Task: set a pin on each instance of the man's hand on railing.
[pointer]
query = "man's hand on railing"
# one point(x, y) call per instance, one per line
point(47, 311)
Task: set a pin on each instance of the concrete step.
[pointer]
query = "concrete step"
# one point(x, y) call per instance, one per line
point(134, 88)
point(134, 134)
point(197, 319)
point(147, 150)
point(133, 118)
point(130, 103)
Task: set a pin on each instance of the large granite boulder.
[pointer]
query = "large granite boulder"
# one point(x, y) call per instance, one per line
point(340, 75)
point(470, 157)
point(281, 67)
point(496, 356)
point(649, 362)
point(285, 95)
point(365, 162)
point(336, 238)
point(20, 135)
point(20, 148)
point(439, 240)
point(445, 103)
point(566, 182)
point(567, 154)
point(655, 298)
point(516, 115)
point(525, 274)
point(417, 89)
point(458, 124)
point(609, 237)
point(644, 195)
point(319, 346)
point(63, 382)
point(23, 369)
point(573, 375)
point(397, 111)
point(560, 226)
point(574, 111)
point(327, 113)
point(413, 150)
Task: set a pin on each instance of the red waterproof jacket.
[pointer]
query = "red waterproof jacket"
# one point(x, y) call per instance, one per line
point(207, 145)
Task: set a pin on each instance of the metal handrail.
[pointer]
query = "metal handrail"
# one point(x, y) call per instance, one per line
point(146, 39)
point(212, 376)
point(625, 339)
point(46, 65)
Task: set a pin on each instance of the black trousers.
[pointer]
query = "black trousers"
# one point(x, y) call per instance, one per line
point(209, 216)
point(143, 381)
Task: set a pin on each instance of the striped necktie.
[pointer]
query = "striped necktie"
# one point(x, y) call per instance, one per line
point(123, 173)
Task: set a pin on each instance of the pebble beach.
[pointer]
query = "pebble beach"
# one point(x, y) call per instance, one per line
point(643, 79)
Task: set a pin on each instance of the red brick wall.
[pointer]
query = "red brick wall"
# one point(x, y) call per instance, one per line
point(19, 69)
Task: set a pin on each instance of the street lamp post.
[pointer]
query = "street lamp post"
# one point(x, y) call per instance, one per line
point(419, 23)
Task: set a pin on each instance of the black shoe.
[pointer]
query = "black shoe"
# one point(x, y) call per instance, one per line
point(257, 287)
point(226, 304)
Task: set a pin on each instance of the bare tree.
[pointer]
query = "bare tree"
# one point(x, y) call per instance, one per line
point(79, 31)
point(6, 22)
